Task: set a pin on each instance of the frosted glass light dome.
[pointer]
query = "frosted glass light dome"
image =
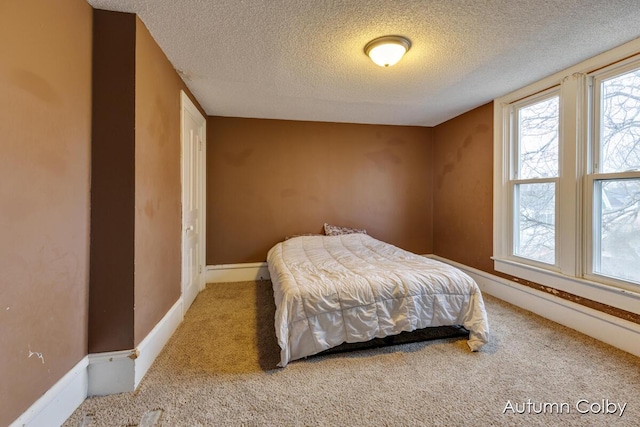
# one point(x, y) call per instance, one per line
point(388, 50)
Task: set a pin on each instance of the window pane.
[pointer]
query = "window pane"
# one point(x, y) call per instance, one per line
point(538, 126)
point(620, 123)
point(618, 211)
point(535, 230)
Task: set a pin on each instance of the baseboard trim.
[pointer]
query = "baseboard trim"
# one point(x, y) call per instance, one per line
point(237, 272)
point(111, 372)
point(101, 374)
point(601, 326)
point(59, 402)
point(154, 342)
point(121, 371)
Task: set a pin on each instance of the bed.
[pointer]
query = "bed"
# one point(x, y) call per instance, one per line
point(351, 288)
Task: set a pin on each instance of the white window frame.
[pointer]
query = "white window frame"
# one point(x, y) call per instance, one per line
point(594, 163)
point(514, 155)
point(574, 194)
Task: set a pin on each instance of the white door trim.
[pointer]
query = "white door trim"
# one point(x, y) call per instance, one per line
point(199, 175)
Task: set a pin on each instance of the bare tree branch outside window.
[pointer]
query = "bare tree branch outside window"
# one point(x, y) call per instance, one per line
point(618, 200)
point(538, 130)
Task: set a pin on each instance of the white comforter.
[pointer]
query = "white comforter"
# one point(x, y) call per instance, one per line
point(351, 288)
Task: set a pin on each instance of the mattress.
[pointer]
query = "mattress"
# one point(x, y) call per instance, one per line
point(329, 290)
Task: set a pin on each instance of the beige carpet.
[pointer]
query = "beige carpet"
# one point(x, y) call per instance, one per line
point(219, 370)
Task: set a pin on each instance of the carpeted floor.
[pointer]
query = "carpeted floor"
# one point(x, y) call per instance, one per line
point(219, 370)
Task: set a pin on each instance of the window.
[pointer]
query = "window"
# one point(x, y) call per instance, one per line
point(535, 177)
point(615, 180)
point(567, 179)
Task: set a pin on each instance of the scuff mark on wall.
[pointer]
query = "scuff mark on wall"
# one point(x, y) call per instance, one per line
point(384, 159)
point(238, 158)
point(37, 354)
point(35, 85)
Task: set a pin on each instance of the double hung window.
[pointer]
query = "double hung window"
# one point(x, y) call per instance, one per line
point(567, 179)
point(535, 177)
point(614, 183)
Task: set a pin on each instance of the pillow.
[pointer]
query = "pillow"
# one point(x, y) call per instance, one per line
point(334, 230)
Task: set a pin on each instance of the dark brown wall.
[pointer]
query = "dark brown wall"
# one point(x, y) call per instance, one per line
point(112, 182)
point(463, 189)
point(45, 134)
point(267, 179)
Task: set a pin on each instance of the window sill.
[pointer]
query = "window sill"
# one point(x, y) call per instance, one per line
point(616, 297)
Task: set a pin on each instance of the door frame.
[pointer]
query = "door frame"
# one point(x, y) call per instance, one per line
point(188, 107)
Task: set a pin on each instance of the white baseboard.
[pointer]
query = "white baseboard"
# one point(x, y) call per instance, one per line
point(154, 342)
point(111, 372)
point(237, 272)
point(100, 374)
point(122, 371)
point(59, 402)
point(617, 332)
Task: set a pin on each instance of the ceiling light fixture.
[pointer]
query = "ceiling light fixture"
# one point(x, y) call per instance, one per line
point(388, 50)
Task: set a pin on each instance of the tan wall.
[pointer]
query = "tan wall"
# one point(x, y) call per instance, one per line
point(157, 184)
point(267, 179)
point(45, 134)
point(463, 189)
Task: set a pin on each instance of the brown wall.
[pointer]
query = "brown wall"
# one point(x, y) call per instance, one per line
point(463, 189)
point(45, 134)
point(157, 184)
point(267, 179)
point(136, 216)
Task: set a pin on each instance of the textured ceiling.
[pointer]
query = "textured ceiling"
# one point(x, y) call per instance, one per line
point(304, 59)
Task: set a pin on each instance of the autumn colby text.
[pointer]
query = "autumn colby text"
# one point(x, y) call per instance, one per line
point(582, 406)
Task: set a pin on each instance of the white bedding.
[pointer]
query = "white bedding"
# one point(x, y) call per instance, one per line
point(352, 288)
